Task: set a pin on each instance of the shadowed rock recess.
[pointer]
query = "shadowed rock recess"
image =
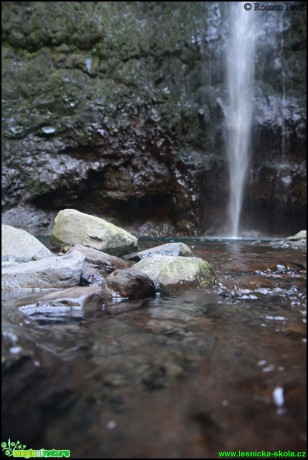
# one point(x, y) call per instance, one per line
point(114, 109)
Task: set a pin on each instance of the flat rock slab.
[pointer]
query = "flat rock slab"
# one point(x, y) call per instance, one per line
point(20, 246)
point(97, 265)
point(105, 262)
point(172, 275)
point(50, 272)
point(73, 227)
point(87, 298)
point(168, 249)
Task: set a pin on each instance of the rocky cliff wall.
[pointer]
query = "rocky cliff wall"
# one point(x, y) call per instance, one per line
point(114, 109)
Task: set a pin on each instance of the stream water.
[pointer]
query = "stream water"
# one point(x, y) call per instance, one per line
point(185, 376)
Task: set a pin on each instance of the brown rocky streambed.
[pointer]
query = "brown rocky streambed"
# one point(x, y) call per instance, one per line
point(173, 376)
point(169, 376)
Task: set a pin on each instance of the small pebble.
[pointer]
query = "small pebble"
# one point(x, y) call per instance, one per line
point(111, 424)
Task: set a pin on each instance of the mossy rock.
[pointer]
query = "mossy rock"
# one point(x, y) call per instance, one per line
point(172, 275)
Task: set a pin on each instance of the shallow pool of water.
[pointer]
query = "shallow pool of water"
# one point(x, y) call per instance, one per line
point(168, 377)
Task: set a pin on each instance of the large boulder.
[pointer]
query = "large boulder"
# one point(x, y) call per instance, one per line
point(174, 274)
point(50, 272)
point(19, 246)
point(74, 227)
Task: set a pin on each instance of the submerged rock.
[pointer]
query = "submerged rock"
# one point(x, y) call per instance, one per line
point(49, 272)
point(169, 249)
point(175, 274)
point(74, 227)
point(131, 283)
point(19, 246)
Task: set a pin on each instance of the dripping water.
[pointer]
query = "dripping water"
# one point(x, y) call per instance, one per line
point(238, 114)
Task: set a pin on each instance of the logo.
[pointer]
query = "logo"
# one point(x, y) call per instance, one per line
point(16, 449)
point(11, 446)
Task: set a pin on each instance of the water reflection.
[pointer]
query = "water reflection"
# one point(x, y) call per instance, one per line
point(181, 376)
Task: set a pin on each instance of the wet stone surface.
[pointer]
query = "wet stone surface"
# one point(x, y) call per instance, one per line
point(181, 376)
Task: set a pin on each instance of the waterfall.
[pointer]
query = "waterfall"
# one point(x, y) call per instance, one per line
point(240, 85)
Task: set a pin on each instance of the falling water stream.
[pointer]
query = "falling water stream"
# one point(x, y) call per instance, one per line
point(240, 85)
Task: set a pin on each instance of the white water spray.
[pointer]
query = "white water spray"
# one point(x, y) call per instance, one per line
point(240, 85)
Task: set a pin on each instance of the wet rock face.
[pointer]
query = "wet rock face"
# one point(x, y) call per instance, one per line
point(114, 109)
